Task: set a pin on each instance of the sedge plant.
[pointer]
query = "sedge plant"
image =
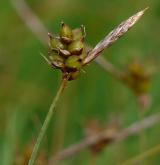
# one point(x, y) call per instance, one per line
point(69, 53)
point(66, 53)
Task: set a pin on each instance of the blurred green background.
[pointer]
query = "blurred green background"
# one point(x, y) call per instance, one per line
point(28, 84)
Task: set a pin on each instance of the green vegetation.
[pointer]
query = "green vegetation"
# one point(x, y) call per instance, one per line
point(28, 84)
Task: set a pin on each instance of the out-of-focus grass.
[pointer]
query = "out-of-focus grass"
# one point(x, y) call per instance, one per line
point(27, 84)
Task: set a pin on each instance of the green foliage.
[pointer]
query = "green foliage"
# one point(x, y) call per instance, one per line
point(27, 84)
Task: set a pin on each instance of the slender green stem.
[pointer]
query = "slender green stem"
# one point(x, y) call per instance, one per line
point(142, 136)
point(142, 103)
point(143, 156)
point(93, 159)
point(47, 121)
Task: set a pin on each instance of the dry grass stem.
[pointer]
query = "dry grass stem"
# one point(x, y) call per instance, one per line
point(113, 36)
point(134, 129)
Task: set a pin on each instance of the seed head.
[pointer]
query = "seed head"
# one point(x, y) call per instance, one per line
point(67, 51)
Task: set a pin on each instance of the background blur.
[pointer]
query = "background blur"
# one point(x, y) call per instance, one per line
point(28, 84)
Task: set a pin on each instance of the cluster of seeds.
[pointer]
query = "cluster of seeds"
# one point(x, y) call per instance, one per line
point(138, 77)
point(67, 51)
